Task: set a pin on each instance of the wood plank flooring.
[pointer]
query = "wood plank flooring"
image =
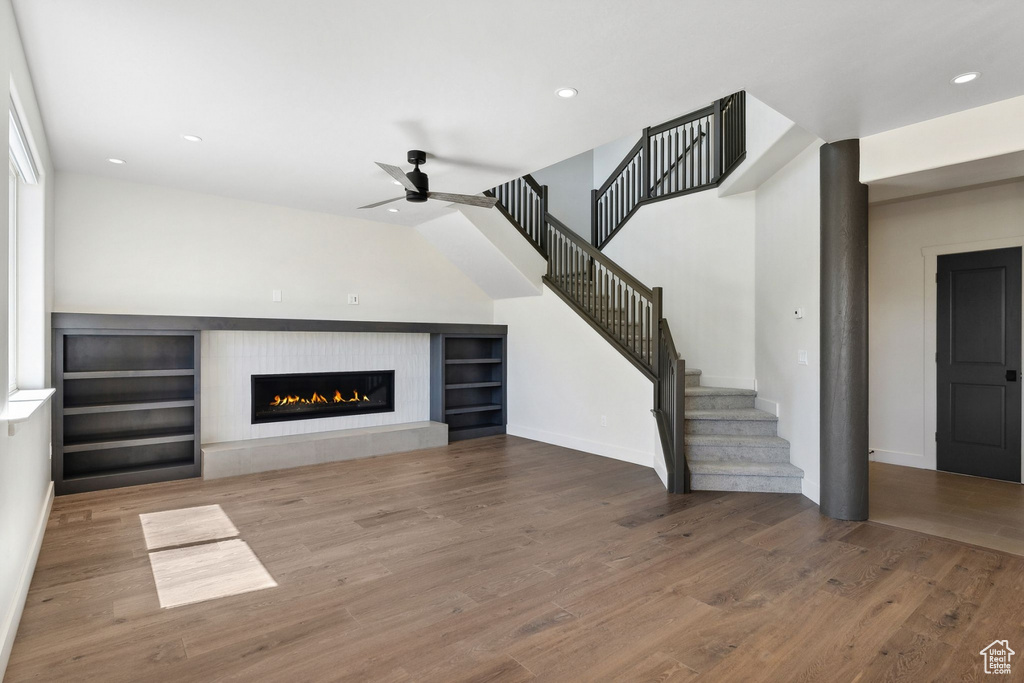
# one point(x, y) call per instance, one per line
point(983, 512)
point(503, 559)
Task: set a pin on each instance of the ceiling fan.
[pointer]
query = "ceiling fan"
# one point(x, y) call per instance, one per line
point(417, 189)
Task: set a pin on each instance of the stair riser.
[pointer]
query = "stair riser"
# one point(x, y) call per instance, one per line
point(733, 427)
point(757, 484)
point(736, 454)
point(718, 402)
point(693, 380)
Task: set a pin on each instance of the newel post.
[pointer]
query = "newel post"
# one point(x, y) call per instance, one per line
point(645, 165)
point(544, 224)
point(593, 219)
point(716, 171)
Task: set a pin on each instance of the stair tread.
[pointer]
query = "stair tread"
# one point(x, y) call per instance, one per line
point(745, 469)
point(750, 441)
point(692, 371)
point(718, 391)
point(751, 414)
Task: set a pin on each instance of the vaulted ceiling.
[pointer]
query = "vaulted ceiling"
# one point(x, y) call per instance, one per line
point(295, 100)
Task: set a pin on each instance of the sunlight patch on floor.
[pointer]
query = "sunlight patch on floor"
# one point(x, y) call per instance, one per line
point(185, 576)
point(186, 525)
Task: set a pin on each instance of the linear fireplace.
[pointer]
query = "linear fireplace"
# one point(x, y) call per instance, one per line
point(305, 396)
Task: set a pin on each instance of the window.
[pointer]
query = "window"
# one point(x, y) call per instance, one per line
point(13, 178)
point(21, 170)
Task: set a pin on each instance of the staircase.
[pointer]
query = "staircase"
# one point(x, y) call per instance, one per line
point(732, 446)
point(712, 438)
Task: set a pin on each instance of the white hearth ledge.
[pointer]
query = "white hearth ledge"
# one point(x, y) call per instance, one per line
point(233, 458)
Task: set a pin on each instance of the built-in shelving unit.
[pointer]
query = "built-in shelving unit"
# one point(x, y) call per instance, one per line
point(468, 384)
point(126, 407)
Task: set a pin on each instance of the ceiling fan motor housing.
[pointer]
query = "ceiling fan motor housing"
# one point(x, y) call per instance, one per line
point(417, 177)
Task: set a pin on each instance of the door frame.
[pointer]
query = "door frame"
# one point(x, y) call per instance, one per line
point(931, 303)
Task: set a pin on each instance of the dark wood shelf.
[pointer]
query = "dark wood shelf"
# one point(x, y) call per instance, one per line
point(126, 406)
point(468, 375)
point(116, 374)
point(459, 410)
point(108, 443)
point(121, 471)
point(471, 361)
point(472, 385)
point(474, 432)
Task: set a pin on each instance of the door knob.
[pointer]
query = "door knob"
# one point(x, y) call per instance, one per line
point(1011, 375)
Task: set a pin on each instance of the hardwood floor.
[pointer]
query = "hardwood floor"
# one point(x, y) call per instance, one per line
point(506, 559)
point(983, 512)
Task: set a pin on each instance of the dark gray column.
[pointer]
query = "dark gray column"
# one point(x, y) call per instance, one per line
point(844, 333)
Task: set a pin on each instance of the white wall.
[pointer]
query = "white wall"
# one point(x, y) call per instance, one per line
point(563, 377)
point(786, 278)
point(569, 184)
point(905, 237)
point(700, 249)
point(25, 489)
point(130, 248)
point(984, 132)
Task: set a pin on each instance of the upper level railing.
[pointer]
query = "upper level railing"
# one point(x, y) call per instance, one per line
point(693, 152)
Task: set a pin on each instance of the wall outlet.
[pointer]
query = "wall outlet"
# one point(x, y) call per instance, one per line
point(353, 299)
point(604, 420)
point(275, 295)
point(801, 357)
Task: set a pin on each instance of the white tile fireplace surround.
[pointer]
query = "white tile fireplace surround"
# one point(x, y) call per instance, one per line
point(229, 359)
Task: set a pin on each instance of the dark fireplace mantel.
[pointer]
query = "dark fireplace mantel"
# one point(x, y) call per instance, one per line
point(310, 395)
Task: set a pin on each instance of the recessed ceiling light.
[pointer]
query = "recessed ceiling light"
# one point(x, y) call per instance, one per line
point(192, 138)
point(965, 78)
point(393, 210)
point(119, 162)
point(567, 92)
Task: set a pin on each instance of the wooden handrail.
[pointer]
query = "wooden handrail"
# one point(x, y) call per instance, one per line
point(599, 256)
point(621, 167)
point(684, 119)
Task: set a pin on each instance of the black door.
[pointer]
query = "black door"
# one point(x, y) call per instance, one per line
point(979, 363)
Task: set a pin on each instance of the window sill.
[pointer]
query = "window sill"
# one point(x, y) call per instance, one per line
point(22, 404)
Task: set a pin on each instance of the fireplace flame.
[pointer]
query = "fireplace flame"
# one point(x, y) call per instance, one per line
point(317, 398)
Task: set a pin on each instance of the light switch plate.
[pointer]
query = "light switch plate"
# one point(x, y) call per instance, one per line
point(798, 313)
point(801, 357)
point(275, 295)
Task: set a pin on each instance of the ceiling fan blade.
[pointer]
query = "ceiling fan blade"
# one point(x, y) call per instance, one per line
point(470, 199)
point(399, 175)
point(386, 201)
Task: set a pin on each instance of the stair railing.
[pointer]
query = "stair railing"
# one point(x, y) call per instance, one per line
point(623, 310)
point(525, 204)
point(615, 303)
point(670, 410)
point(688, 154)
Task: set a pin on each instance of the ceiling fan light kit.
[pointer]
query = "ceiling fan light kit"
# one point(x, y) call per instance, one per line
point(417, 186)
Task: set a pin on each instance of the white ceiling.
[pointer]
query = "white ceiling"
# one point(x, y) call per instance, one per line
point(295, 100)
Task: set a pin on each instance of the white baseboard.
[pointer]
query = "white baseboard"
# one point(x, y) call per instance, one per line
point(728, 382)
point(587, 446)
point(899, 458)
point(767, 406)
point(811, 490)
point(13, 618)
